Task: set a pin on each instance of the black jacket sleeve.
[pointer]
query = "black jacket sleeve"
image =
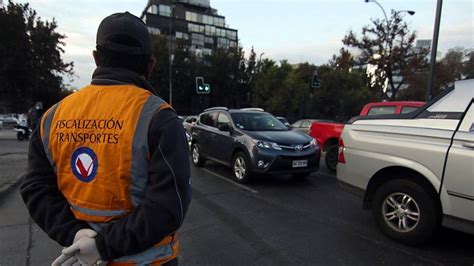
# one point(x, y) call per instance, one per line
point(167, 197)
point(40, 192)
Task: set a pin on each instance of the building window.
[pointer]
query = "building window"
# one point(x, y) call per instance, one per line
point(220, 32)
point(219, 21)
point(197, 39)
point(206, 51)
point(209, 40)
point(153, 9)
point(182, 35)
point(222, 43)
point(165, 10)
point(207, 19)
point(198, 52)
point(210, 30)
point(191, 16)
point(232, 44)
point(195, 28)
point(144, 19)
point(231, 34)
point(154, 31)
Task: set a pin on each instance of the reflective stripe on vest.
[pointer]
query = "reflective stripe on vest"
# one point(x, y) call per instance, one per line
point(108, 213)
point(44, 133)
point(139, 169)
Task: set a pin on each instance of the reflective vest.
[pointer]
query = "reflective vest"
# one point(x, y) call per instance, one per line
point(97, 142)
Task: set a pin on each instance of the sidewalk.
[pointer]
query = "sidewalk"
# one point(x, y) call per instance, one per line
point(13, 159)
point(22, 241)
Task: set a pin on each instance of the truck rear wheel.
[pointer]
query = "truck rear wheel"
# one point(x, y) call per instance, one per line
point(405, 211)
point(331, 157)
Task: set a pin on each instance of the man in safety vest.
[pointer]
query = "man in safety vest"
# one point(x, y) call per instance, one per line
point(108, 167)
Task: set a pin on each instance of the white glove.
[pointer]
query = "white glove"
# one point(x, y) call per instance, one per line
point(65, 260)
point(83, 250)
point(84, 232)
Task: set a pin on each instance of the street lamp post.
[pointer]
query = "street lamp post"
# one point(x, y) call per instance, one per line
point(410, 12)
point(260, 61)
point(434, 49)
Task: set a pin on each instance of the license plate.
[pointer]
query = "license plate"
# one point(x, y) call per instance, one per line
point(300, 163)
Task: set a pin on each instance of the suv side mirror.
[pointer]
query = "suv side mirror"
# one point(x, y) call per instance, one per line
point(224, 127)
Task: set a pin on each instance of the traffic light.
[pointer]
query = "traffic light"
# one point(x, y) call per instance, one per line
point(315, 81)
point(201, 87)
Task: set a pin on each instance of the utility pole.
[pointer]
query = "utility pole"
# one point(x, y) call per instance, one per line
point(434, 49)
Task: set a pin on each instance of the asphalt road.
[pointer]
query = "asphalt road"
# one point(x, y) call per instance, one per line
point(272, 221)
point(279, 221)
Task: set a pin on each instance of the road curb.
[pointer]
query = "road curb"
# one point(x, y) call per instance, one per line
point(15, 185)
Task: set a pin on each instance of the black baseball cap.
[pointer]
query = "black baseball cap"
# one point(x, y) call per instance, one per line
point(124, 33)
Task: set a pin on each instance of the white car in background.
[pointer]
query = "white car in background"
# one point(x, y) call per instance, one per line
point(416, 170)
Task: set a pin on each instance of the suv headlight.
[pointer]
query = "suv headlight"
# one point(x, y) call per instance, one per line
point(268, 145)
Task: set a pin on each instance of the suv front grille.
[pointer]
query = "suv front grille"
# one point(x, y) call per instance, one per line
point(298, 147)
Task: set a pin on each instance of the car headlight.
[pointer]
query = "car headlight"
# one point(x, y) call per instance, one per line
point(313, 143)
point(268, 145)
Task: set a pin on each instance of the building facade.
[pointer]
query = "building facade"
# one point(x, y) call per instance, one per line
point(198, 25)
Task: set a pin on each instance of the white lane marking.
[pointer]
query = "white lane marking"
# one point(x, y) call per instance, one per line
point(230, 181)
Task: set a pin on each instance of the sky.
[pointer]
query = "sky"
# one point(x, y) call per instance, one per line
point(295, 30)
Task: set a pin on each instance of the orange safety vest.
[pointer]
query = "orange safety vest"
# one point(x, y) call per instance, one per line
point(97, 142)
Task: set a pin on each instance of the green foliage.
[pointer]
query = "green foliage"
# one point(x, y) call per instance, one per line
point(342, 95)
point(280, 88)
point(457, 64)
point(388, 45)
point(31, 67)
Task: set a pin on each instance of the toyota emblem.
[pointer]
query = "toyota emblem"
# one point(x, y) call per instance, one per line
point(299, 147)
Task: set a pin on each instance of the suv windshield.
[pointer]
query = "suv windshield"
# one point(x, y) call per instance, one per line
point(257, 122)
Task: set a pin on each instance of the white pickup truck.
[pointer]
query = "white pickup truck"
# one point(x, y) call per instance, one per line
point(415, 171)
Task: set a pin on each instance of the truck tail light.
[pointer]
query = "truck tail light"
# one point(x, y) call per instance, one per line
point(341, 158)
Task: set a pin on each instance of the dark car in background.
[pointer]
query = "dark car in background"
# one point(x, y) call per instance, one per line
point(284, 121)
point(252, 141)
point(188, 122)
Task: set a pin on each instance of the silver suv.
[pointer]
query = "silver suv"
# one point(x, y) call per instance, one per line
point(252, 141)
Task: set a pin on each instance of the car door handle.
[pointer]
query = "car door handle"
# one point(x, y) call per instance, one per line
point(468, 144)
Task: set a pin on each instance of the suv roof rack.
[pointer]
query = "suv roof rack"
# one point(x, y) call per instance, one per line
point(253, 109)
point(216, 108)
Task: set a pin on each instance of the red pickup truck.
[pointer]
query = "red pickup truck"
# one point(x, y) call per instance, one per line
point(327, 134)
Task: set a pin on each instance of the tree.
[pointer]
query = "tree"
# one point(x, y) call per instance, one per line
point(344, 60)
point(342, 94)
point(453, 66)
point(388, 45)
point(160, 76)
point(31, 67)
point(469, 65)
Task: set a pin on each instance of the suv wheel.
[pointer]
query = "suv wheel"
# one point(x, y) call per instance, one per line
point(331, 157)
point(405, 211)
point(196, 155)
point(241, 168)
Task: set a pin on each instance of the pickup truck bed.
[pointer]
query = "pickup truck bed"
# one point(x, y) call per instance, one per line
point(415, 171)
